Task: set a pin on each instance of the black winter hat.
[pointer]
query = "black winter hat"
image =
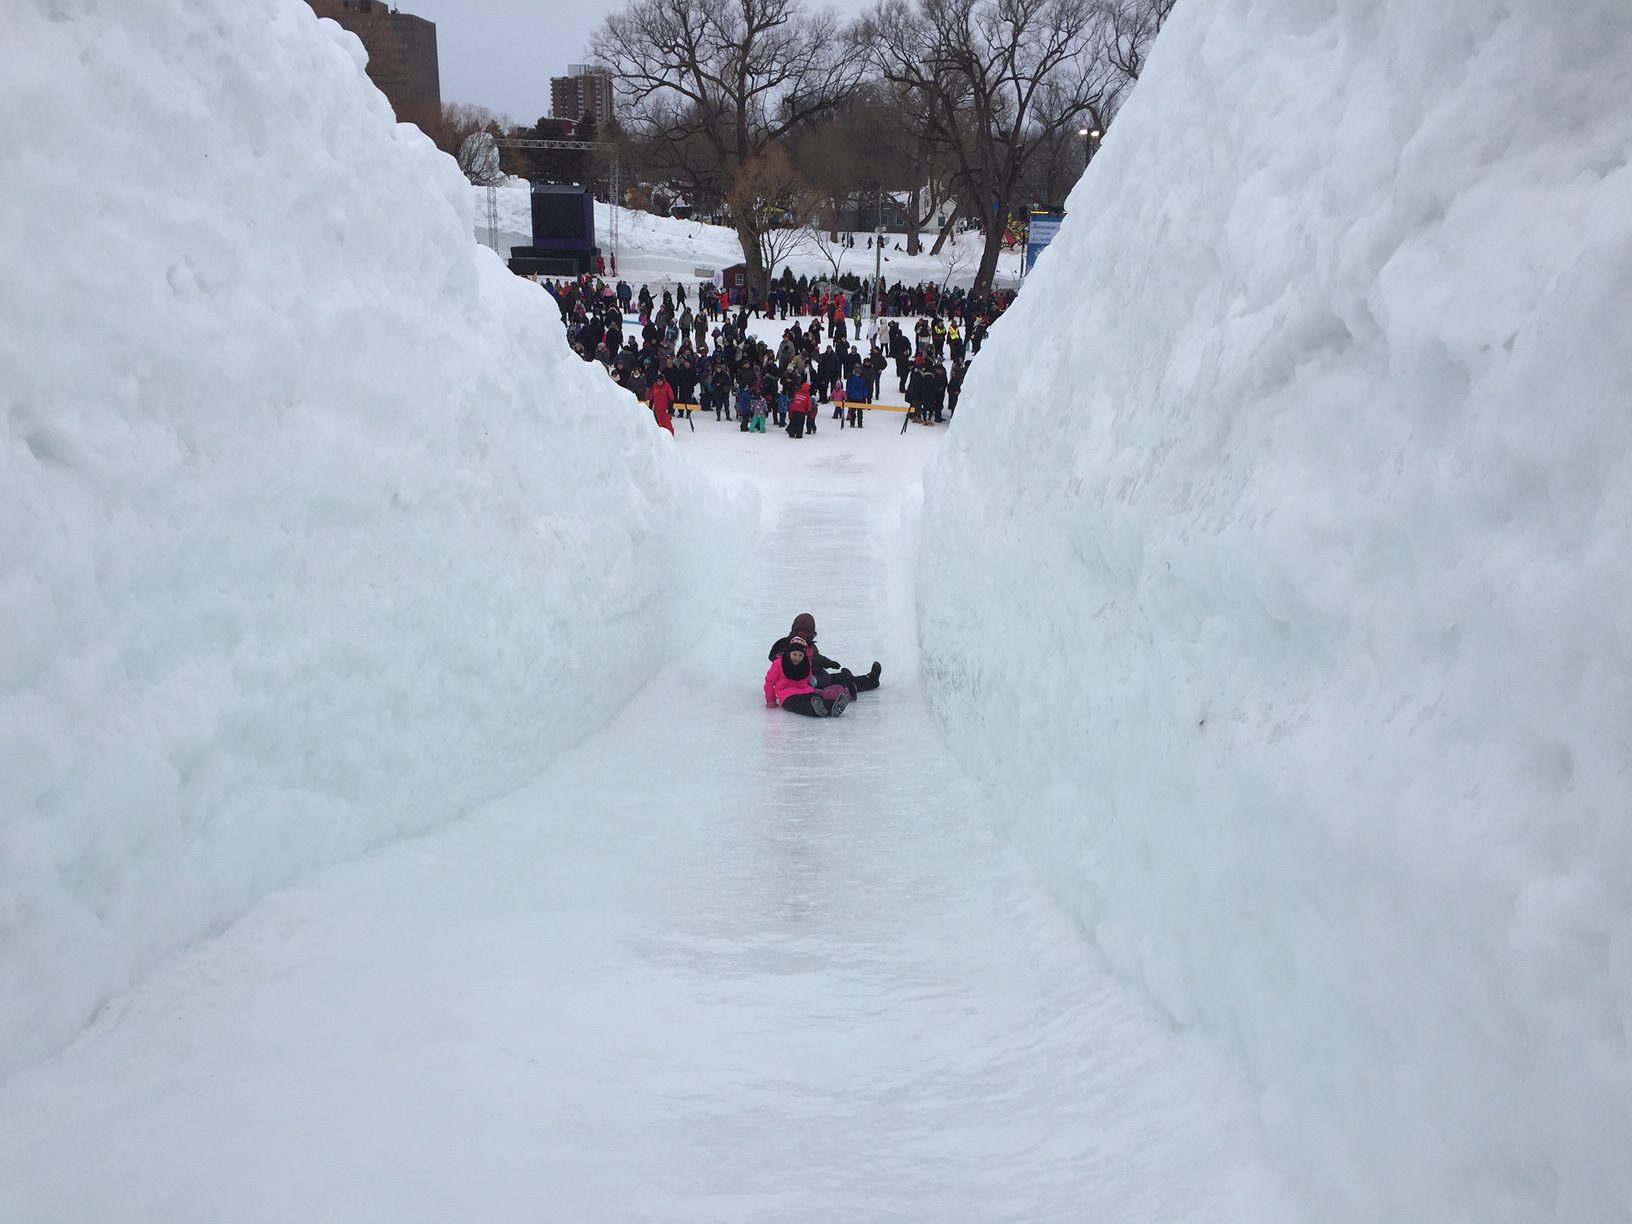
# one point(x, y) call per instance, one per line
point(801, 669)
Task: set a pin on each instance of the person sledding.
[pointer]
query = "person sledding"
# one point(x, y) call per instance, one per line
point(828, 671)
point(791, 683)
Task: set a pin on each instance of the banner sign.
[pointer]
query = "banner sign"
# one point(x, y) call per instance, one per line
point(1040, 230)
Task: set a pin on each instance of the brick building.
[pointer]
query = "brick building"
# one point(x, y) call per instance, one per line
point(401, 56)
point(584, 91)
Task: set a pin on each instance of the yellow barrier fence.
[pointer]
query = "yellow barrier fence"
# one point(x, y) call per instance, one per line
point(874, 407)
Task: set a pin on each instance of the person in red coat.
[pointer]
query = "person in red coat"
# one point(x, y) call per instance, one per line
point(661, 397)
point(800, 411)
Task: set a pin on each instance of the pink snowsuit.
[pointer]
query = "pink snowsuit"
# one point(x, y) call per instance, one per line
point(779, 686)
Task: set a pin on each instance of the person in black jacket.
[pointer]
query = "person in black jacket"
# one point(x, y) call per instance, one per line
point(827, 671)
point(827, 373)
point(935, 394)
point(901, 351)
point(683, 377)
point(918, 390)
point(954, 388)
point(874, 366)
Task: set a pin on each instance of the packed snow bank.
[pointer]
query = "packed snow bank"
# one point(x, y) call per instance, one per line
point(1278, 581)
point(315, 533)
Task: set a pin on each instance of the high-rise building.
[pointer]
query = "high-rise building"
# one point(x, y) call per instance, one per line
point(401, 56)
point(584, 91)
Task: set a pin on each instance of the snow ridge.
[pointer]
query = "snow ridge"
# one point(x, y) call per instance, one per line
point(1283, 597)
point(315, 532)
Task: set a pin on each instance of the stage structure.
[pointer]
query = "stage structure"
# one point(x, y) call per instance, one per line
point(613, 191)
point(563, 216)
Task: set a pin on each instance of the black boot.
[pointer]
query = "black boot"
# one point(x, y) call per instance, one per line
point(868, 682)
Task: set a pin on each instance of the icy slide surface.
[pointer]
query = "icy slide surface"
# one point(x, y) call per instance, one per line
point(719, 963)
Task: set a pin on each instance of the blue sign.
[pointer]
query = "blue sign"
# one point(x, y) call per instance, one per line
point(1040, 231)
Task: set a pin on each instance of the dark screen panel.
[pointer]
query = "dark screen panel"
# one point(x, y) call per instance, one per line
point(558, 215)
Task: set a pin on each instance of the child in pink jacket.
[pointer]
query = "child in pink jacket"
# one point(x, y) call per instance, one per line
point(788, 684)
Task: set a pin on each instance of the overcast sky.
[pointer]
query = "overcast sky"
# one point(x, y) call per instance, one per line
point(501, 54)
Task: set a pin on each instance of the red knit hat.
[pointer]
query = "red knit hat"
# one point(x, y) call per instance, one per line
point(804, 625)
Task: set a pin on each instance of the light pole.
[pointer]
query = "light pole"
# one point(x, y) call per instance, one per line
point(878, 255)
point(1090, 142)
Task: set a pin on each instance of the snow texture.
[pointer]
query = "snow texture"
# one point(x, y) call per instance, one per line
point(718, 964)
point(1276, 583)
point(315, 532)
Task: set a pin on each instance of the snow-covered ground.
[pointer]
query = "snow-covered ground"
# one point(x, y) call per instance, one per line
point(1243, 818)
point(664, 250)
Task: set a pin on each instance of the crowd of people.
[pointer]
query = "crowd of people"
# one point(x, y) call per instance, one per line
point(681, 355)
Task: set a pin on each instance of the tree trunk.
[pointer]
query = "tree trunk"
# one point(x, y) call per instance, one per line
point(913, 245)
point(752, 258)
point(946, 230)
point(994, 245)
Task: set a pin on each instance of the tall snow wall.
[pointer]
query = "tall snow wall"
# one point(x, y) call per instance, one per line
point(1276, 579)
point(315, 532)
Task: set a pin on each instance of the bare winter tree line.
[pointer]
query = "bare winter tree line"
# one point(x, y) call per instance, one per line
point(778, 119)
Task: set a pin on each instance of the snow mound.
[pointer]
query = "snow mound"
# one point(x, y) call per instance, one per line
point(315, 532)
point(1275, 577)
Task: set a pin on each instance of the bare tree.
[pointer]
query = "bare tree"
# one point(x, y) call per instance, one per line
point(829, 158)
point(822, 233)
point(731, 76)
point(552, 165)
point(921, 160)
point(460, 121)
point(953, 256)
point(994, 77)
point(947, 227)
point(1129, 29)
point(771, 200)
point(689, 165)
point(479, 160)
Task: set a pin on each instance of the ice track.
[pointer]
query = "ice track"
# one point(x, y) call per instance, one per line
point(718, 964)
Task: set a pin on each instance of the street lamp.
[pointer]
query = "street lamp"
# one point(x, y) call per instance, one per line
point(1090, 142)
point(878, 254)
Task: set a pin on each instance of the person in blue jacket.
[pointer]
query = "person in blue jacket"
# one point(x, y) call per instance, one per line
point(855, 395)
